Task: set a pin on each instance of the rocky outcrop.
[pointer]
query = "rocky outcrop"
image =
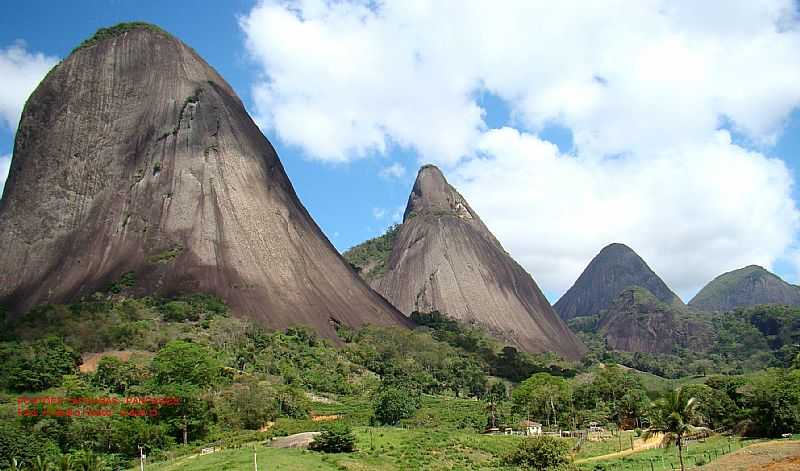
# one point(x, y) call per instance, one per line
point(134, 156)
point(748, 286)
point(636, 321)
point(615, 268)
point(445, 258)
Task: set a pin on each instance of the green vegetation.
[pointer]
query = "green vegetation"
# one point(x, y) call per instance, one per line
point(128, 280)
point(37, 365)
point(696, 453)
point(721, 287)
point(117, 30)
point(392, 398)
point(334, 438)
point(503, 361)
point(394, 404)
point(369, 258)
point(672, 417)
point(166, 256)
point(540, 453)
point(746, 340)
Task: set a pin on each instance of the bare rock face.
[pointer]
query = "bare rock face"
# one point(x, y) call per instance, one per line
point(745, 287)
point(636, 321)
point(615, 268)
point(444, 258)
point(134, 155)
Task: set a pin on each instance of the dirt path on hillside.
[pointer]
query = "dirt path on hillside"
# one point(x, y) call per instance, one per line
point(777, 455)
point(638, 445)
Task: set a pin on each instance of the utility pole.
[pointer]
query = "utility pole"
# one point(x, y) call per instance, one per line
point(141, 458)
point(255, 459)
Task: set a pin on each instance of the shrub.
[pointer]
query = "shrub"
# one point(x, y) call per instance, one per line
point(336, 437)
point(540, 453)
point(179, 311)
point(292, 402)
point(181, 362)
point(246, 405)
point(394, 404)
point(128, 280)
point(117, 375)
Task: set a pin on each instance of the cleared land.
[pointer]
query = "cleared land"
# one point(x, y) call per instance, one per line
point(779, 455)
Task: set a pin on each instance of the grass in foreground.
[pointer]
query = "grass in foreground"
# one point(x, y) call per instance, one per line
point(379, 448)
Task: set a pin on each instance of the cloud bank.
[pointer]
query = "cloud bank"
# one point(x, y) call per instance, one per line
point(20, 73)
point(651, 98)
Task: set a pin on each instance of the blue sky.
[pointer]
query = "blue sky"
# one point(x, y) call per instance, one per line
point(564, 137)
point(340, 197)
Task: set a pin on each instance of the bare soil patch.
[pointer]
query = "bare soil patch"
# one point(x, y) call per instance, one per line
point(778, 455)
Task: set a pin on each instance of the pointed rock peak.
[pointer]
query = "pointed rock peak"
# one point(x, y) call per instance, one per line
point(169, 179)
point(433, 196)
point(615, 268)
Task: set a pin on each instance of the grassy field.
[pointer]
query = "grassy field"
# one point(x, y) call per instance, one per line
point(443, 435)
point(379, 448)
point(618, 443)
point(392, 448)
point(696, 453)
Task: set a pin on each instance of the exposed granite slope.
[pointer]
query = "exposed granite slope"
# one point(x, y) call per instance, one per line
point(615, 268)
point(134, 155)
point(445, 258)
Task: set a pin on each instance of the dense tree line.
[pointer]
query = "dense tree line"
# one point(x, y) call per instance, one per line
point(231, 377)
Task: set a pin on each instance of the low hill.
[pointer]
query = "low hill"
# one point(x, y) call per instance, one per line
point(745, 287)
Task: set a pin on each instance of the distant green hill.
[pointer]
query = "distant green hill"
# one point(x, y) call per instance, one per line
point(745, 287)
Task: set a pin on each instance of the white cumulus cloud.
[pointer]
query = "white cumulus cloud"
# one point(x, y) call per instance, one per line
point(650, 97)
point(691, 214)
point(20, 73)
point(5, 164)
point(378, 213)
point(395, 170)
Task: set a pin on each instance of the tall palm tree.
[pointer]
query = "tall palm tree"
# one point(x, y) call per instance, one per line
point(672, 416)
